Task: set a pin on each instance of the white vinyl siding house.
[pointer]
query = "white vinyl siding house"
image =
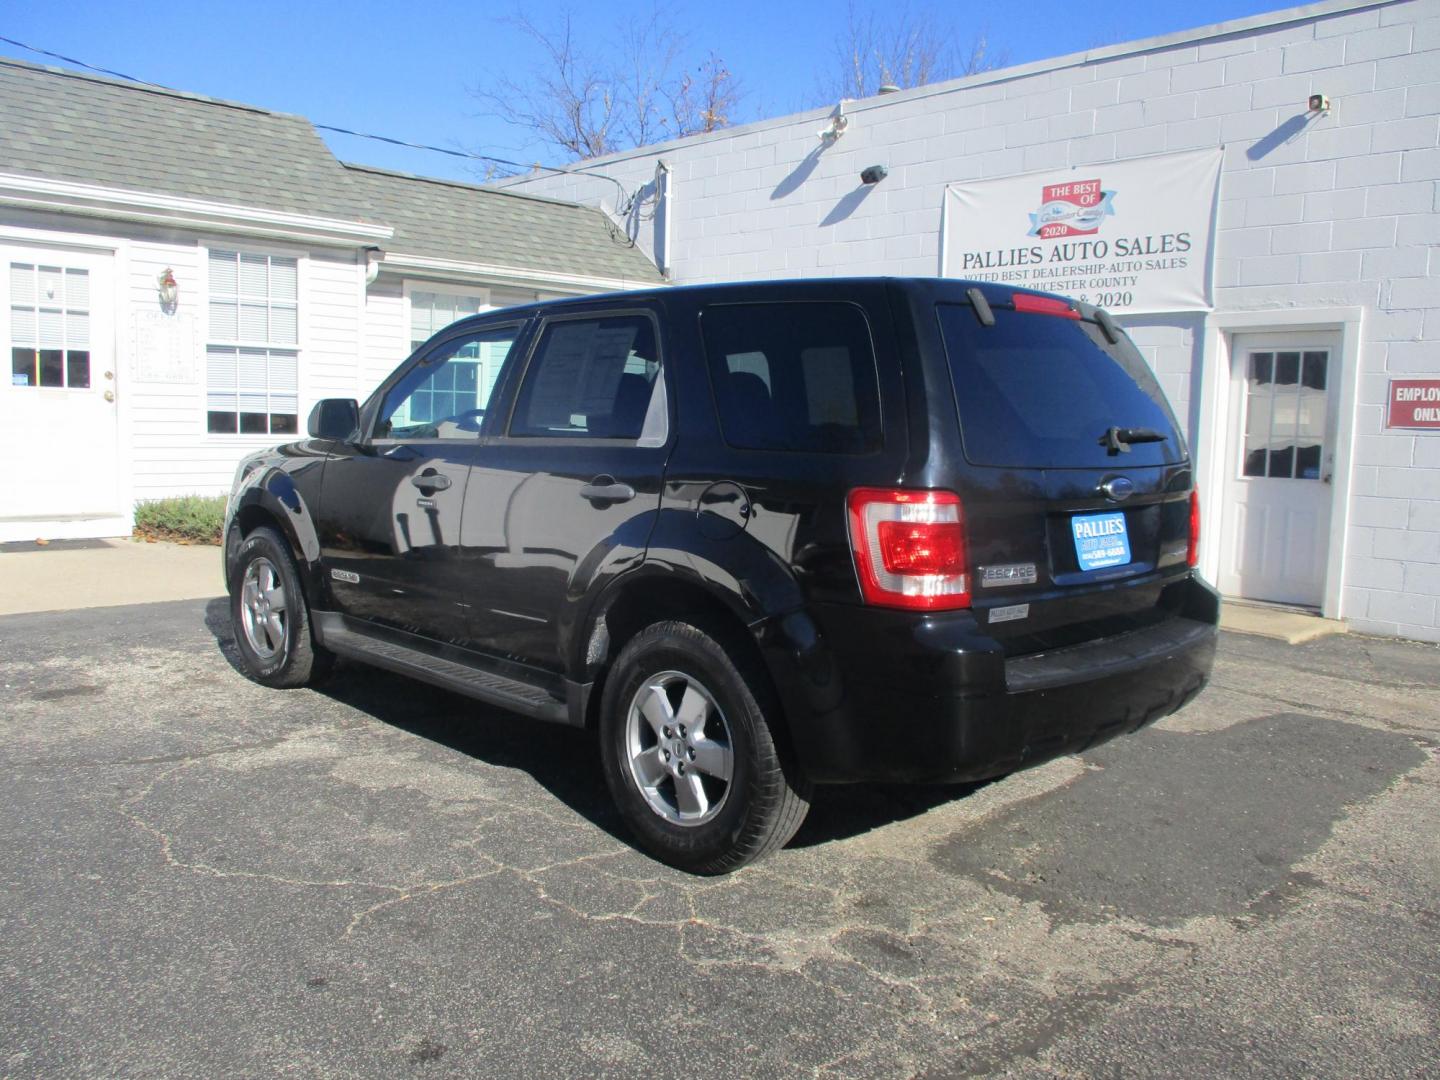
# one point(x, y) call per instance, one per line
point(297, 278)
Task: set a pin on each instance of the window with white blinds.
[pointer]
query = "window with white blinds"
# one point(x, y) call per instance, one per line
point(432, 311)
point(252, 360)
point(49, 326)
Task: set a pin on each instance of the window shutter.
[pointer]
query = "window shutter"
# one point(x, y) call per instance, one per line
point(221, 378)
point(23, 331)
point(22, 283)
point(254, 323)
point(52, 330)
point(52, 286)
point(224, 280)
point(77, 330)
point(77, 289)
point(283, 280)
point(283, 328)
point(253, 282)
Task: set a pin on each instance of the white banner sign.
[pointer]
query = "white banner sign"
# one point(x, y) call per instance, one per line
point(1132, 236)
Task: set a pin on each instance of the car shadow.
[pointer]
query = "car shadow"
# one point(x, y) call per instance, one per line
point(565, 761)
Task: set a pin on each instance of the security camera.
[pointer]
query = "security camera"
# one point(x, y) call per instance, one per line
point(1319, 103)
point(874, 174)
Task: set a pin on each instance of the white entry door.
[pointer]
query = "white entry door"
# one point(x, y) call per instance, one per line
point(1275, 521)
point(58, 408)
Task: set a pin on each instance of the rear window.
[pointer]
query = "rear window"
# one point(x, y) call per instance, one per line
point(1036, 391)
point(797, 376)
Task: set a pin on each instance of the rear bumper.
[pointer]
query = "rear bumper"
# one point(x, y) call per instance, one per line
point(934, 699)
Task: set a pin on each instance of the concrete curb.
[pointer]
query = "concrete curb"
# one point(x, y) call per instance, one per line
point(1291, 627)
point(106, 573)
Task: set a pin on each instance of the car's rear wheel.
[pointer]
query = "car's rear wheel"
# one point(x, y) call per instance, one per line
point(270, 617)
point(690, 749)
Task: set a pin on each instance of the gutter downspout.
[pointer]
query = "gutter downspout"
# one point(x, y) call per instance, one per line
point(663, 207)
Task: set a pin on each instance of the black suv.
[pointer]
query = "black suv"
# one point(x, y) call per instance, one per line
point(758, 536)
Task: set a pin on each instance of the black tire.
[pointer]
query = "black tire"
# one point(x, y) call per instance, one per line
point(295, 660)
point(765, 799)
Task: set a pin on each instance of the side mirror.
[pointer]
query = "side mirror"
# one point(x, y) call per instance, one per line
point(334, 418)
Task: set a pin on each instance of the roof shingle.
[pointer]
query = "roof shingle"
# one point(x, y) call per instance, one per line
point(66, 125)
point(446, 219)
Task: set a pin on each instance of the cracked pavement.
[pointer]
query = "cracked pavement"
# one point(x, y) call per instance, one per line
point(205, 877)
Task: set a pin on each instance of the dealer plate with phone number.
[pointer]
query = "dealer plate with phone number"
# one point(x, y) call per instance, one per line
point(1100, 540)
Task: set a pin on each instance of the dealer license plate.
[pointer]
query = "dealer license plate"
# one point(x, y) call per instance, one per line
point(1100, 540)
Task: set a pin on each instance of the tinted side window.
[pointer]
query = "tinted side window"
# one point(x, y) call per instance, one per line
point(446, 394)
point(797, 376)
point(589, 378)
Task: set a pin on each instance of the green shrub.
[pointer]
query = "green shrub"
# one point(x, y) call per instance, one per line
point(195, 519)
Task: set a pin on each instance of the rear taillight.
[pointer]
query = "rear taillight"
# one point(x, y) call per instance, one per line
point(1192, 555)
point(909, 548)
point(1044, 305)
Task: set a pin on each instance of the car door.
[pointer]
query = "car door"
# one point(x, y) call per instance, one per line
point(570, 485)
point(391, 505)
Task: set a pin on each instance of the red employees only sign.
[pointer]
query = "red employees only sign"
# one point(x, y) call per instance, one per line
point(1414, 403)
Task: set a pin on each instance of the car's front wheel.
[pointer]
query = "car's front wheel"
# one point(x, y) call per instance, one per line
point(691, 755)
point(269, 615)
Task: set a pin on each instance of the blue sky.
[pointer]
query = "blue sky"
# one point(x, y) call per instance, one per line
point(406, 69)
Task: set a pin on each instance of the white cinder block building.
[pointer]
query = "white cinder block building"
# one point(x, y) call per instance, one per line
point(182, 278)
point(1258, 202)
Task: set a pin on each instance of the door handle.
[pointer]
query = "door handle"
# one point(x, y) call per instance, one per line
point(606, 489)
point(430, 480)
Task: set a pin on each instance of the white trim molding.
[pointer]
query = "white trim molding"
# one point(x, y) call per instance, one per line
point(1213, 437)
point(91, 200)
point(452, 270)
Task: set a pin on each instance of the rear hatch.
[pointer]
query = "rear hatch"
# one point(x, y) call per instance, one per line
point(1076, 483)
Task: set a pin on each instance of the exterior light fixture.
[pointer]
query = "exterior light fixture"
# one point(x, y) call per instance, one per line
point(169, 288)
point(874, 174)
point(838, 123)
point(1319, 103)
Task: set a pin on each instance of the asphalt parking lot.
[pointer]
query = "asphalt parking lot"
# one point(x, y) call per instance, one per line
point(202, 877)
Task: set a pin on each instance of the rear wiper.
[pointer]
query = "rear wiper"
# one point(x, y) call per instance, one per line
point(1117, 440)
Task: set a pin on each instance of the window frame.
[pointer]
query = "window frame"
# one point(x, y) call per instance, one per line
point(874, 367)
point(202, 294)
point(511, 384)
point(410, 286)
point(376, 403)
point(37, 260)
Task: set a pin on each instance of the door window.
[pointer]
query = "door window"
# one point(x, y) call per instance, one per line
point(49, 326)
point(589, 379)
point(1285, 414)
point(445, 395)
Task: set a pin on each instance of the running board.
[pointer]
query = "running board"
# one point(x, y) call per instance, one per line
point(337, 634)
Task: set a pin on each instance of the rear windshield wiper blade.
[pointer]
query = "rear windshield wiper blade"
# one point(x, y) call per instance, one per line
point(1118, 440)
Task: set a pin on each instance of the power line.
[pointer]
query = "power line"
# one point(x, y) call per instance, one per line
point(77, 63)
point(622, 207)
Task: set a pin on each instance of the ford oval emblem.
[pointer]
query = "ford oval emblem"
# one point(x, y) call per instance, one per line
point(1118, 488)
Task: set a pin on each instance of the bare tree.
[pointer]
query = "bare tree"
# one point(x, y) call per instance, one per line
point(903, 48)
point(588, 101)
